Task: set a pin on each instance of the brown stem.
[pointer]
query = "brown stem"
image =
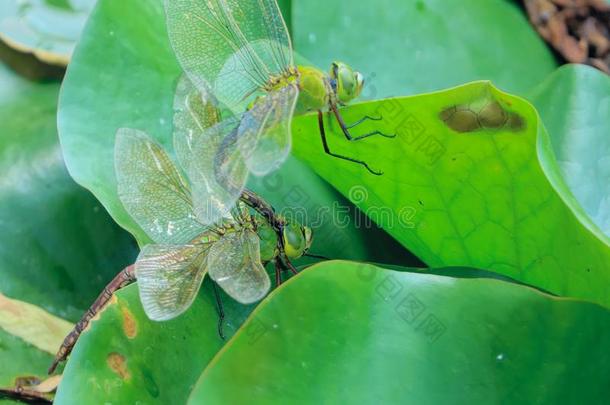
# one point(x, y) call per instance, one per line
point(123, 279)
point(25, 396)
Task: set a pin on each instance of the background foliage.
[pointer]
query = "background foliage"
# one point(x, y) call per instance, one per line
point(515, 207)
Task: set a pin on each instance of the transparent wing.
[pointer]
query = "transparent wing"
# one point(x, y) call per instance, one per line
point(208, 152)
point(195, 110)
point(233, 45)
point(169, 277)
point(234, 263)
point(264, 133)
point(152, 190)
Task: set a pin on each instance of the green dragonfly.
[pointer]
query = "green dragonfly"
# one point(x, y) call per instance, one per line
point(240, 52)
point(170, 271)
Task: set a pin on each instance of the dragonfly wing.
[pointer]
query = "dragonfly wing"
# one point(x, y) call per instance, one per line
point(207, 150)
point(169, 277)
point(152, 190)
point(265, 130)
point(235, 46)
point(195, 111)
point(234, 263)
point(217, 171)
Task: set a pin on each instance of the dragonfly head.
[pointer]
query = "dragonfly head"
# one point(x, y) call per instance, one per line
point(297, 239)
point(349, 83)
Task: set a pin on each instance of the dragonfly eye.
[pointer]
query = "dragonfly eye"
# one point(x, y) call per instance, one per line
point(295, 240)
point(349, 82)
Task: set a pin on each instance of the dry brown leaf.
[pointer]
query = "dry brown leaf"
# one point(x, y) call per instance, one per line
point(578, 29)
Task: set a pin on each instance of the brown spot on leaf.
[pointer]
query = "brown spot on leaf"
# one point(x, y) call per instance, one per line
point(130, 325)
point(515, 122)
point(447, 113)
point(481, 113)
point(493, 115)
point(118, 364)
point(460, 120)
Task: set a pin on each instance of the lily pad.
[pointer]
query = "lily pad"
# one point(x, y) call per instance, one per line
point(58, 247)
point(138, 90)
point(29, 337)
point(20, 359)
point(124, 357)
point(413, 46)
point(48, 29)
point(574, 103)
point(380, 336)
point(472, 172)
point(123, 335)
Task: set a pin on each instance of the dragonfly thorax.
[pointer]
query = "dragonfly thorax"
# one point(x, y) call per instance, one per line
point(317, 90)
point(268, 240)
point(291, 75)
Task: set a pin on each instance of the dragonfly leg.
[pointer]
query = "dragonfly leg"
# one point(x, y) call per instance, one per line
point(328, 151)
point(220, 309)
point(316, 256)
point(287, 264)
point(278, 272)
point(345, 128)
point(123, 279)
point(363, 119)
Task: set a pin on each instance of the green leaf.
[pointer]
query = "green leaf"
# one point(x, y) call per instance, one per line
point(574, 105)
point(137, 91)
point(413, 46)
point(124, 357)
point(458, 194)
point(122, 328)
point(20, 359)
point(29, 337)
point(58, 248)
point(380, 336)
point(49, 29)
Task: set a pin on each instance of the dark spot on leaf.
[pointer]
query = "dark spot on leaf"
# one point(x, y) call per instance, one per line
point(515, 122)
point(460, 120)
point(420, 203)
point(447, 113)
point(150, 383)
point(118, 364)
point(493, 115)
point(484, 113)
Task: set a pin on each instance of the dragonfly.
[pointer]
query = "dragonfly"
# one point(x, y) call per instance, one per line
point(239, 52)
point(170, 271)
